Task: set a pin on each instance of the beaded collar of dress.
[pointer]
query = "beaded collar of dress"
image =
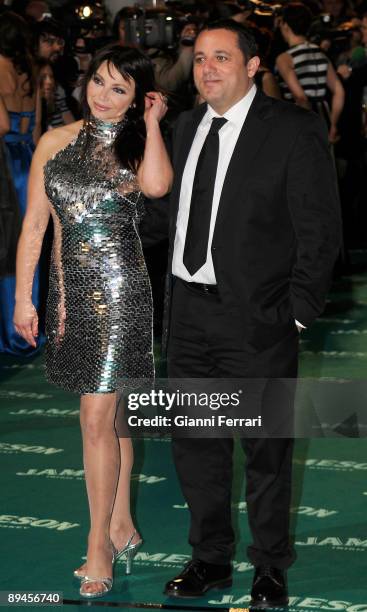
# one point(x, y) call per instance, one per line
point(105, 131)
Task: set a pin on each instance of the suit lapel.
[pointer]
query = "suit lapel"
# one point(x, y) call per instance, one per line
point(252, 136)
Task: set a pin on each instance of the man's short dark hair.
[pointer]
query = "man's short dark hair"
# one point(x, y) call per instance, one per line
point(245, 38)
point(298, 17)
point(48, 27)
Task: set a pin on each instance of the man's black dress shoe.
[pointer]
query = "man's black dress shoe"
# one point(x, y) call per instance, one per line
point(197, 578)
point(269, 588)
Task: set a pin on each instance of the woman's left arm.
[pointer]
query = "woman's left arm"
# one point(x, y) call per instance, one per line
point(155, 172)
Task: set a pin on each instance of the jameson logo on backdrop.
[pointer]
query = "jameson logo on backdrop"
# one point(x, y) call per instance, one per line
point(336, 354)
point(10, 449)
point(13, 521)
point(24, 395)
point(355, 544)
point(299, 604)
point(305, 510)
point(64, 474)
point(71, 474)
point(45, 412)
point(331, 464)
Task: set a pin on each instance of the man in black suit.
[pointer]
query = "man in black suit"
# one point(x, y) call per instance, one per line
point(254, 233)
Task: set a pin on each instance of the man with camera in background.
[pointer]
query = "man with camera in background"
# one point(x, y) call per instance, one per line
point(173, 72)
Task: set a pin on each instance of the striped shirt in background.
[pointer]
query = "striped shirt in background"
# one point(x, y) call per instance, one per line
point(60, 107)
point(310, 65)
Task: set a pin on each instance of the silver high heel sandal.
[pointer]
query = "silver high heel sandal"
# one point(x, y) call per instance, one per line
point(106, 582)
point(129, 551)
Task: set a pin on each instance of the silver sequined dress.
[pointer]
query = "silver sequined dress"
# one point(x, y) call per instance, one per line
point(99, 312)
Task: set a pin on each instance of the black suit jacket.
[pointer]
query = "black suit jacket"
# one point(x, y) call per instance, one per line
point(278, 230)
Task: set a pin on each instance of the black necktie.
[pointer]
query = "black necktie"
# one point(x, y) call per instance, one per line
point(197, 234)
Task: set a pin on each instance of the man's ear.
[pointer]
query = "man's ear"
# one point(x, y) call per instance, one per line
point(252, 66)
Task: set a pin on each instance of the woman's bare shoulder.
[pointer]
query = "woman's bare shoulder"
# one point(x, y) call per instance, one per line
point(54, 140)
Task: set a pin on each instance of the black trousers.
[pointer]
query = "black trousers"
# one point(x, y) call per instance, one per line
point(206, 341)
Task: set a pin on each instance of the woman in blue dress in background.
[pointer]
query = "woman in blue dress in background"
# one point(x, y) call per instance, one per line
point(18, 93)
point(9, 207)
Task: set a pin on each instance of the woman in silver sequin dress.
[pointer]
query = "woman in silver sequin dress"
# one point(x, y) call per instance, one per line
point(91, 176)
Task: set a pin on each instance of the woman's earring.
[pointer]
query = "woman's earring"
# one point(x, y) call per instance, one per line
point(133, 105)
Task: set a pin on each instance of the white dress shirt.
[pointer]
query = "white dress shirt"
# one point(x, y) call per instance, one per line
point(228, 136)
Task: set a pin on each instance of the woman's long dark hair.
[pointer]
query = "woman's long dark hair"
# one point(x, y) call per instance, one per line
point(15, 44)
point(131, 64)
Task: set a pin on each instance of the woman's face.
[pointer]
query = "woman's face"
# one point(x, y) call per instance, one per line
point(47, 81)
point(109, 95)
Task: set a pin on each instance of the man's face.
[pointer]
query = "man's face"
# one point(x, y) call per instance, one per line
point(50, 47)
point(221, 76)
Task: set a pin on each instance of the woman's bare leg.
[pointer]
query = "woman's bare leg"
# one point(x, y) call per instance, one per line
point(122, 526)
point(101, 463)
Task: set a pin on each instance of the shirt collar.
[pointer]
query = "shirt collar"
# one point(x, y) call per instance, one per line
point(237, 113)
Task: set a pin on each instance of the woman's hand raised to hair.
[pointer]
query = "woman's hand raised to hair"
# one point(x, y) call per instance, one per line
point(155, 107)
point(155, 171)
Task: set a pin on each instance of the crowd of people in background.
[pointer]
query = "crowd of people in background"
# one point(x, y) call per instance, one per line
point(313, 54)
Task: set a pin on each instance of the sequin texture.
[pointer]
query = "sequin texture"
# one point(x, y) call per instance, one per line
point(99, 311)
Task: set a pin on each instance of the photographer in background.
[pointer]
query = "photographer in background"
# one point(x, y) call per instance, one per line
point(173, 70)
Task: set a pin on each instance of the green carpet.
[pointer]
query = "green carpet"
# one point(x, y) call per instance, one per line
point(43, 515)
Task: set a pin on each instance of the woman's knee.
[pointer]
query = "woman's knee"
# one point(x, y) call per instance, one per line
point(97, 417)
